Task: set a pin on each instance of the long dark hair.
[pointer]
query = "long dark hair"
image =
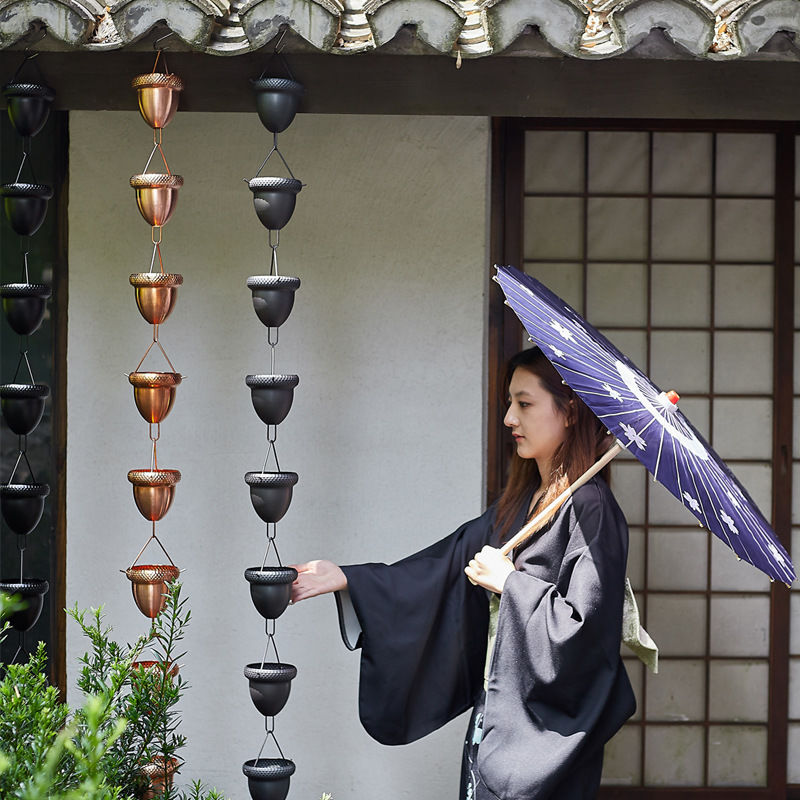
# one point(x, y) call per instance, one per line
point(586, 440)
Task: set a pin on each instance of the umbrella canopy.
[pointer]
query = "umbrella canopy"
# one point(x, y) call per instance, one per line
point(646, 421)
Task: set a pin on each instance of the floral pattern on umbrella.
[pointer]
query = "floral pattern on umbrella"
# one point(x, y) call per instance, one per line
point(646, 421)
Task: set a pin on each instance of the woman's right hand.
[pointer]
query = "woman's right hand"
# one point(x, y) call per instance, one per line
point(317, 577)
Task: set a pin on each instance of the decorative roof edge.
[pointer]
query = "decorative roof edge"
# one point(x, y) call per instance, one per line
point(584, 29)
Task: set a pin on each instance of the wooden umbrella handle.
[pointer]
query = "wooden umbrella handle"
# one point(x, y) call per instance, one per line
point(532, 524)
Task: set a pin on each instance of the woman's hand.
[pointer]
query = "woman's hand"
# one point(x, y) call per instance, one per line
point(317, 577)
point(489, 569)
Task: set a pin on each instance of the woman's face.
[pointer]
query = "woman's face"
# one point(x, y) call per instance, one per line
point(537, 425)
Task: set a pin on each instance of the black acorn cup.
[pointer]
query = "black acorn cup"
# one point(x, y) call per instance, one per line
point(277, 101)
point(271, 493)
point(268, 778)
point(28, 106)
point(32, 592)
point(273, 297)
point(272, 396)
point(22, 505)
point(23, 405)
point(25, 205)
point(270, 684)
point(274, 200)
point(24, 305)
point(270, 589)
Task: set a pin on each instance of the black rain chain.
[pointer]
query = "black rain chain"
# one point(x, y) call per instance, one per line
point(22, 497)
point(274, 198)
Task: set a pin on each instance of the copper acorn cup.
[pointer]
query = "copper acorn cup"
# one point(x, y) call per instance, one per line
point(154, 393)
point(153, 491)
point(156, 195)
point(149, 586)
point(156, 294)
point(158, 97)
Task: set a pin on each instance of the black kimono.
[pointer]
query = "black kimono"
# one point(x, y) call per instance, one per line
point(557, 687)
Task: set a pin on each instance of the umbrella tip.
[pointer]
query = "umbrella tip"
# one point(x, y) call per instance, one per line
point(673, 397)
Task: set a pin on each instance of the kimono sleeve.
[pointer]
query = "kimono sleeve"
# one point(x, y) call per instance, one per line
point(557, 688)
point(423, 640)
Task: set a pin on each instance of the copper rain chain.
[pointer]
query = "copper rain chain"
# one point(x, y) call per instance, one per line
point(153, 391)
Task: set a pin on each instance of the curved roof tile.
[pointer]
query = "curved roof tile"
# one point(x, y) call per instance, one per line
point(588, 29)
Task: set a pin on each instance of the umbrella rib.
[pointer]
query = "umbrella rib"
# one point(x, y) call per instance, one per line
point(612, 376)
point(658, 457)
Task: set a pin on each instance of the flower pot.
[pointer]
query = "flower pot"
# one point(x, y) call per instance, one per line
point(272, 396)
point(32, 592)
point(156, 294)
point(159, 774)
point(25, 205)
point(158, 97)
point(273, 297)
point(153, 491)
point(274, 200)
point(156, 195)
point(277, 101)
point(23, 405)
point(28, 106)
point(149, 586)
point(268, 778)
point(156, 667)
point(154, 393)
point(271, 493)
point(22, 505)
point(24, 305)
point(270, 589)
point(270, 684)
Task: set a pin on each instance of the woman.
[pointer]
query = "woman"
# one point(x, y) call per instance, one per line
point(549, 689)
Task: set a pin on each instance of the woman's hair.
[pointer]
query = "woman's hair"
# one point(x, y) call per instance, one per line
point(586, 440)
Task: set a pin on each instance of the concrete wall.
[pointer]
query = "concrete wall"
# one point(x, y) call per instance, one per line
point(386, 432)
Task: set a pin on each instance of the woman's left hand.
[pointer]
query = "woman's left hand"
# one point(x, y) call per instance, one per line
point(489, 569)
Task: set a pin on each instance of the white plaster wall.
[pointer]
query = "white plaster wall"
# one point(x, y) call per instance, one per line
point(386, 433)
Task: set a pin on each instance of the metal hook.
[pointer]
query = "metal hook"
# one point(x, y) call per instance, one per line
point(278, 47)
point(161, 39)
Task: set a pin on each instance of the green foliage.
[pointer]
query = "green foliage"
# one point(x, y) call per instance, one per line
point(129, 718)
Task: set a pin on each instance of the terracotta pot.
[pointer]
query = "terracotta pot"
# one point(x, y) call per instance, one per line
point(153, 491)
point(156, 294)
point(25, 205)
point(271, 493)
point(158, 93)
point(32, 592)
point(270, 589)
point(277, 101)
point(268, 778)
point(273, 297)
point(159, 774)
point(272, 396)
point(149, 586)
point(154, 393)
point(156, 196)
point(24, 305)
point(23, 405)
point(22, 505)
point(28, 106)
point(274, 200)
point(156, 667)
